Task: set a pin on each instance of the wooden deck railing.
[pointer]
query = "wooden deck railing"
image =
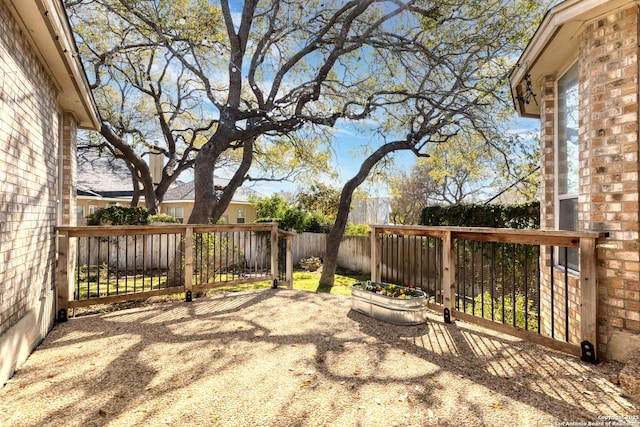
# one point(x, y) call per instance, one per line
point(116, 263)
point(505, 279)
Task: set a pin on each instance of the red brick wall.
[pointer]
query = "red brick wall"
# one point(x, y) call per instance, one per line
point(608, 139)
point(609, 178)
point(32, 131)
point(28, 174)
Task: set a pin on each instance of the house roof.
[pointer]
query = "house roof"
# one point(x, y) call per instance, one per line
point(186, 192)
point(46, 24)
point(109, 177)
point(103, 175)
point(554, 46)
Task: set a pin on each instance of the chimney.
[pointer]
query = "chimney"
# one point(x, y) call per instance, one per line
point(156, 163)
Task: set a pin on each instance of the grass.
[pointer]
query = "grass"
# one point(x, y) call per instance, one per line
point(305, 281)
point(302, 281)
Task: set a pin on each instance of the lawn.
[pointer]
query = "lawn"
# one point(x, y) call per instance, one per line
point(305, 281)
point(302, 281)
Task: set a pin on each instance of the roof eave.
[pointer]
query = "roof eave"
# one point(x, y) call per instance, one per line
point(554, 46)
point(46, 24)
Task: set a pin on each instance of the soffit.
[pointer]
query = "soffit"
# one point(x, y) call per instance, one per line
point(46, 26)
point(554, 46)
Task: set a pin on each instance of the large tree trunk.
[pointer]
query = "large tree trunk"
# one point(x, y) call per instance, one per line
point(235, 182)
point(203, 185)
point(204, 166)
point(330, 261)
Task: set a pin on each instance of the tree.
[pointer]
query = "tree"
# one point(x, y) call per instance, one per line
point(410, 192)
point(282, 69)
point(321, 199)
point(147, 100)
point(463, 171)
point(421, 71)
point(456, 67)
point(289, 217)
point(269, 208)
point(153, 104)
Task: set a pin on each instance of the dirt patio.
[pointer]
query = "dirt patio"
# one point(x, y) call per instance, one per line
point(292, 358)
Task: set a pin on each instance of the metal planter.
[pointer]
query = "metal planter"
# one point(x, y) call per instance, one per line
point(397, 311)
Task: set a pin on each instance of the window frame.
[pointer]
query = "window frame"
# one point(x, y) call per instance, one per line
point(566, 257)
point(171, 211)
point(243, 217)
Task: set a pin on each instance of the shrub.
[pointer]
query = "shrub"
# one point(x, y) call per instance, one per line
point(483, 304)
point(357, 230)
point(315, 223)
point(119, 215)
point(311, 263)
point(293, 219)
point(525, 215)
point(164, 218)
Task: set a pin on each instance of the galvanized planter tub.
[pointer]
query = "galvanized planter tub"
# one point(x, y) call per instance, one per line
point(397, 311)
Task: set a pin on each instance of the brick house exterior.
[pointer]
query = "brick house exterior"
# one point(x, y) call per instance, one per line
point(44, 99)
point(594, 117)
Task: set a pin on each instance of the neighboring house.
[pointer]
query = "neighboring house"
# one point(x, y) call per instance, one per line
point(370, 211)
point(178, 202)
point(44, 99)
point(579, 75)
point(106, 181)
point(103, 181)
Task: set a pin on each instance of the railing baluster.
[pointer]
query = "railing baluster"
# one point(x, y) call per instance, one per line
point(553, 286)
point(566, 295)
point(482, 259)
point(493, 280)
point(538, 286)
point(188, 262)
point(526, 287)
point(126, 263)
point(502, 284)
point(513, 285)
point(473, 277)
point(117, 265)
point(135, 262)
point(99, 264)
point(108, 266)
point(145, 265)
point(76, 294)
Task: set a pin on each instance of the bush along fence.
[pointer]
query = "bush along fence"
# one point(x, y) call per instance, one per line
point(505, 279)
point(116, 263)
point(524, 215)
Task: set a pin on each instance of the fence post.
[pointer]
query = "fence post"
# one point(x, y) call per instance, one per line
point(448, 275)
point(376, 254)
point(188, 263)
point(289, 272)
point(62, 285)
point(274, 252)
point(589, 299)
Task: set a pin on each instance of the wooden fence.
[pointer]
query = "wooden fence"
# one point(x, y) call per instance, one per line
point(117, 263)
point(354, 253)
point(504, 279)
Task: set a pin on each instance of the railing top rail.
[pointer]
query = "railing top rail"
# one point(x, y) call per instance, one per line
point(505, 235)
point(285, 233)
point(121, 230)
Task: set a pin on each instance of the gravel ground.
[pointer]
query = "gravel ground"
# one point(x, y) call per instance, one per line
point(291, 358)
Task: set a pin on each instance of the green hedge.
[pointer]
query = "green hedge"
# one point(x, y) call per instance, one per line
point(526, 215)
point(119, 215)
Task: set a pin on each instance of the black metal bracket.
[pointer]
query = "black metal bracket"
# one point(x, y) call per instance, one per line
point(62, 315)
point(275, 284)
point(447, 316)
point(588, 353)
point(188, 296)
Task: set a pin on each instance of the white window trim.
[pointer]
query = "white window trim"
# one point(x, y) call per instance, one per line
point(556, 167)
